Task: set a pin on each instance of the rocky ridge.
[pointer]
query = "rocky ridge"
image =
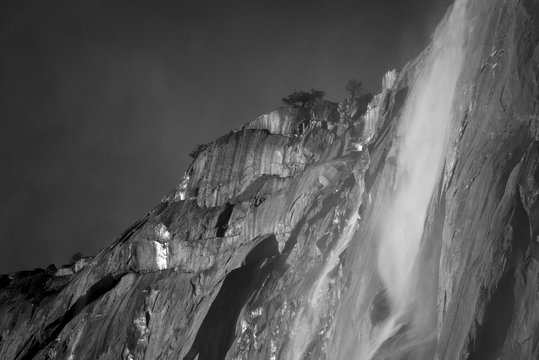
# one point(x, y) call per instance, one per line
point(222, 267)
point(234, 219)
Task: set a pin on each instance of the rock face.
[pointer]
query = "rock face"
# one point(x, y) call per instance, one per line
point(267, 249)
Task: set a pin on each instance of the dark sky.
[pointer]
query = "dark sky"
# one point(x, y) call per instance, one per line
point(101, 101)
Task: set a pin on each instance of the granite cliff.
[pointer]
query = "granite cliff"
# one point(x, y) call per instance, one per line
point(279, 241)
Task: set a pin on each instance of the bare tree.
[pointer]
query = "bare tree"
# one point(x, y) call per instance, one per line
point(355, 88)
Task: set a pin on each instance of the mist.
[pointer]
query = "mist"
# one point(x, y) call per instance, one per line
point(423, 134)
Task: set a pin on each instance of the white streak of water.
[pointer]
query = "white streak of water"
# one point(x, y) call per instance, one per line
point(423, 131)
point(419, 149)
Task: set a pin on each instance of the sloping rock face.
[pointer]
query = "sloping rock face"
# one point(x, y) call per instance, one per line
point(488, 294)
point(181, 282)
point(479, 254)
point(264, 250)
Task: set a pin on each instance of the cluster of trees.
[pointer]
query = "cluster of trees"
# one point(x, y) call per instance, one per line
point(303, 99)
point(307, 98)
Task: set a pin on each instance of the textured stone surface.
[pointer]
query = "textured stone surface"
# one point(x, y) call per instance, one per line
point(223, 266)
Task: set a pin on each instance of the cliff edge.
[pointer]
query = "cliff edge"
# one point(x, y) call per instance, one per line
point(267, 249)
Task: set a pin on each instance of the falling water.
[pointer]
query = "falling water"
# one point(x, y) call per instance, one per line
point(423, 131)
point(392, 256)
point(399, 212)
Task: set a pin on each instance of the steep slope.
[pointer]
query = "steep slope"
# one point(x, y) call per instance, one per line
point(475, 290)
point(179, 278)
point(271, 247)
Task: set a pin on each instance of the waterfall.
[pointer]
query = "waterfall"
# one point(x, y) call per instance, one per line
point(394, 230)
point(423, 132)
point(389, 309)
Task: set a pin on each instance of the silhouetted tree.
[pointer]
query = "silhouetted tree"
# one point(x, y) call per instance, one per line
point(355, 88)
point(303, 99)
point(359, 95)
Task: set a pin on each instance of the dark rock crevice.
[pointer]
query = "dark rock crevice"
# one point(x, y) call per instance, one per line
point(217, 331)
point(222, 220)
